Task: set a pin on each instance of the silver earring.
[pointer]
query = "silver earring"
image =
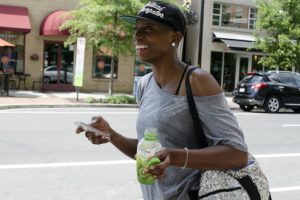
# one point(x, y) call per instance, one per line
point(173, 44)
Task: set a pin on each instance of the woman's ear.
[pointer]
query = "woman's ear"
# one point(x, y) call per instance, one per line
point(177, 37)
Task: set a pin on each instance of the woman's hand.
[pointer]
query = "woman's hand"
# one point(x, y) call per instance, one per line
point(158, 171)
point(101, 124)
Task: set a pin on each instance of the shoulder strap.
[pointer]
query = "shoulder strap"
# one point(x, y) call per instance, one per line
point(193, 109)
point(181, 79)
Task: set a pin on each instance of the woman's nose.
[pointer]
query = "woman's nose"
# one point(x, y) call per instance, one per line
point(138, 35)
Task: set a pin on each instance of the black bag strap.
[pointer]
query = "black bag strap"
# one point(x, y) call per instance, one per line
point(197, 122)
point(246, 181)
point(250, 187)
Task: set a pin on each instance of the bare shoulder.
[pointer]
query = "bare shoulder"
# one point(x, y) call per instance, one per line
point(203, 83)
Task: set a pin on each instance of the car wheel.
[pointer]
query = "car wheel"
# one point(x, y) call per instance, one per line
point(246, 108)
point(296, 110)
point(272, 104)
point(46, 80)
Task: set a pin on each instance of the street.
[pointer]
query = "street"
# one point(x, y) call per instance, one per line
point(41, 157)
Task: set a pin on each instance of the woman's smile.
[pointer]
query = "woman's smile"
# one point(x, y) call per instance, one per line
point(141, 50)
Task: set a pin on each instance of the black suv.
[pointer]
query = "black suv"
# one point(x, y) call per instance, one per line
point(270, 91)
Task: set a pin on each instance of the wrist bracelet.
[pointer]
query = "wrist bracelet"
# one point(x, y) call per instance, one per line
point(186, 157)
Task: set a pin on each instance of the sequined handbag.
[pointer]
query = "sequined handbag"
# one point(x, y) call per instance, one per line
point(248, 183)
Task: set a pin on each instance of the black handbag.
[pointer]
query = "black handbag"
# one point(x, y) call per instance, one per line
point(248, 183)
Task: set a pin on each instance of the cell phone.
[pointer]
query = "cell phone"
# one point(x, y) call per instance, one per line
point(89, 128)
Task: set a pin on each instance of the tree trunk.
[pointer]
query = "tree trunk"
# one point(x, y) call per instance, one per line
point(112, 64)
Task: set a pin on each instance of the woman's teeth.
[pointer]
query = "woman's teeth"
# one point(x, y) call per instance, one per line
point(138, 47)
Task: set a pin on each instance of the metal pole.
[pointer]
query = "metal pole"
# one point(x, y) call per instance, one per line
point(77, 93)
point(201, 32)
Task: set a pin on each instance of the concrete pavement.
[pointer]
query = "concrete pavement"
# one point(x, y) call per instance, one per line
point(32, 99)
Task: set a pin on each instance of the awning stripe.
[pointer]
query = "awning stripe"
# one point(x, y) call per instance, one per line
point(234, 36)
point(14, 18)
point(238, 44)
point(51, 23)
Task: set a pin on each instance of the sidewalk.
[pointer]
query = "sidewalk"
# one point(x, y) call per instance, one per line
point(31, 99)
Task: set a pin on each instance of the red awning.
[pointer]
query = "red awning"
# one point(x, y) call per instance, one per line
point(51, 23)
point(14, 18)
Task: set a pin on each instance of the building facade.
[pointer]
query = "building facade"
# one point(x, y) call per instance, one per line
point(32, 27)
point(222, 42)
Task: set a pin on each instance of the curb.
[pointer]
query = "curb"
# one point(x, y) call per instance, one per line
point(5, 107)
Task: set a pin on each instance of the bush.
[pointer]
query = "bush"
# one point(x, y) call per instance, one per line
point(119, 99)
point(90, 100)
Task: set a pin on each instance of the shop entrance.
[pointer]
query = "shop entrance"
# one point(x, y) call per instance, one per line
point(243, 66)
point(229, 68)
point(58, 67)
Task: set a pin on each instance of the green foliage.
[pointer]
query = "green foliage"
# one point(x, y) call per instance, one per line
point(278, 33)
point(90, 100)
point(98, 22)
point(119, 99)
point(115, 99)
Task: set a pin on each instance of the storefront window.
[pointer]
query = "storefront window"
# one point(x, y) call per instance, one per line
point(229, 72)
point(102, 66)
point(140, 69)
point(231, 15)
point(12, 58)
point(216, 65)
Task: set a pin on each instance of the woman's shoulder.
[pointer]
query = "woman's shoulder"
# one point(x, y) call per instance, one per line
point(203, 83)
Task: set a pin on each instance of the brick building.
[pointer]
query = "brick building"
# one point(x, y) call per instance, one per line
point(32, 27)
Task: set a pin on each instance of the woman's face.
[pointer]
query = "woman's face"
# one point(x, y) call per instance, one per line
point(152, 40)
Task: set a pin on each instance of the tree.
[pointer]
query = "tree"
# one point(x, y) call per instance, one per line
point(98, 22)
point(278, 33)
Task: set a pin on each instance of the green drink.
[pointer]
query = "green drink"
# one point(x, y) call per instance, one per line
point(146, 149)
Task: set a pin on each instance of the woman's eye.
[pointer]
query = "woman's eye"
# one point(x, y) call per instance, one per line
point(148, 29)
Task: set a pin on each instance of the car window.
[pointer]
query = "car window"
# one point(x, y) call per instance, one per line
point(252, 79)
point(297, 79)
point(286, 79)
point(52, 69)
point(283, 78)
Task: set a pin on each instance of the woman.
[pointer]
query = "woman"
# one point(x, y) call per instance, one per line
point(159, 28)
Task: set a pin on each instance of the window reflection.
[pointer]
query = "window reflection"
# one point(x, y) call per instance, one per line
point(231, 15)
point(13, 57)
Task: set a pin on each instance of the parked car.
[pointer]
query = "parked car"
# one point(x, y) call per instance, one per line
point(271, 91)
point(50, 75)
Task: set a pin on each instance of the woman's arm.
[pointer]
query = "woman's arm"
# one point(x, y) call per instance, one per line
point(218, 157)
point(126, 145)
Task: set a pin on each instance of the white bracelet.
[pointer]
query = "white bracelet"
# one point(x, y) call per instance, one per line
point(186, 157)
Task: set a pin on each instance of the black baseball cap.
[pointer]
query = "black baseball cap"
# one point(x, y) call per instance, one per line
point(162, 13)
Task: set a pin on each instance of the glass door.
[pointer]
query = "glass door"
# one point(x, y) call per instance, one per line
point(229, 72)
point(58, 67)
point(242, 68)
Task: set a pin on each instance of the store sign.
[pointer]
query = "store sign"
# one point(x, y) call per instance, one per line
point(79, 62)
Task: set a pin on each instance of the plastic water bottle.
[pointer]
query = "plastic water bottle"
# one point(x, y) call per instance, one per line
point(146, 149)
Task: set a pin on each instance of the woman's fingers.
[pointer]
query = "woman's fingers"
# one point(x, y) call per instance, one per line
point(78, 130)
point(100, 123)
point(159, 170)
point(97, 119)
point(96, 139)
point(89, 134)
